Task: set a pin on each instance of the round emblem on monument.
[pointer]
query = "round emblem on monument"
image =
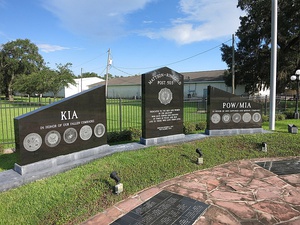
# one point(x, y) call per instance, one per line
point(52, 138)
point(70, 135)
point(165, 96)
point(246, 117)
point(226, 118)
point(85, 132)
point(215, 118)
point(32, 142)
point(256, 117)
point(236, 117)
point(99, 130)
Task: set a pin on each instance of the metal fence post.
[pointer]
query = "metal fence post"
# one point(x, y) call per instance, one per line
point(120, 111)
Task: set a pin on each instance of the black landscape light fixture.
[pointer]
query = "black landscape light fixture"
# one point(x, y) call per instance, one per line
point(118, 188)
point(264, 147)
point(296, 78)
point(200, 158)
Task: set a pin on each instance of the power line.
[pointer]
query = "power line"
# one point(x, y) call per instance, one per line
point(121, 70)
point(90, 60)
point(179, 61)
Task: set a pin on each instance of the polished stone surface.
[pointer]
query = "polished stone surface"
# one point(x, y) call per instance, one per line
point(73, 124)
point(283, 167)
point(162, 103)
point(164, 208)
point(229, 111)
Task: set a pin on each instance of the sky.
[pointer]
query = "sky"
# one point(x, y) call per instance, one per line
point(142, 35)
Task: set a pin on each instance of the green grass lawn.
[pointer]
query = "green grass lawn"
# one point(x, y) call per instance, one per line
point(76, 195)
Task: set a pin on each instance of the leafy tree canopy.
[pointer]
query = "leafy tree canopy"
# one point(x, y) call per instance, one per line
point(45, 80)
point(62, 77)
point(253, 53)
point(16, 58)
point(88, 74)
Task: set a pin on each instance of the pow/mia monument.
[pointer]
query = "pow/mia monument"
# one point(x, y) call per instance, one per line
point(231, 114)
point(162, 106)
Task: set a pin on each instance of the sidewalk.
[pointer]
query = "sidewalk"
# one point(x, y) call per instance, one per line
point(237, 193)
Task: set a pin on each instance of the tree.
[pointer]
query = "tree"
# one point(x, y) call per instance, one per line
point(61, 78)
point(253, 53)
point(16, 58)
point(45, 80)
point(88, 74)
point(25, 84)
point(109, 76)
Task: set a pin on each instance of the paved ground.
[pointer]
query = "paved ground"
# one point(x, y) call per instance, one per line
point(238, 193)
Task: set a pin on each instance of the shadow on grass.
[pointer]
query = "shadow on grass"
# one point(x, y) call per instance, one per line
point(190, 159)
point(7, 161)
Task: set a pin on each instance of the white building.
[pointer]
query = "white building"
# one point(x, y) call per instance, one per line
point(82, 84)
point(195, 85)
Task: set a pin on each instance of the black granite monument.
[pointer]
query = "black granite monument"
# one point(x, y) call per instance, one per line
point(229, 113)
point(162, 104)
point(73, 124)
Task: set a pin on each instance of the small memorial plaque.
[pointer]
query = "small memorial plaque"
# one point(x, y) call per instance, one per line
point(164, 208)
point(162, 103)
point(283, 167)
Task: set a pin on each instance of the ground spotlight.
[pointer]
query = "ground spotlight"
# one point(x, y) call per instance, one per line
point(200, 158)
point(264, 147)
point(118, 188)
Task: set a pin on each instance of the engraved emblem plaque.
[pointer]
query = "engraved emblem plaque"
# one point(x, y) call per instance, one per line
point(256, 117)
point(52, 138)
point(246, 117)
point(99, 130)
point(165, 96)
point(70, 135)
point(32, 142)
point(236, 117)
point(215, 118)
point(226, 118)
point(85, 132)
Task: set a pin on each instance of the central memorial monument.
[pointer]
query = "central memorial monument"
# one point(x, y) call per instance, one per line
point(162, 106)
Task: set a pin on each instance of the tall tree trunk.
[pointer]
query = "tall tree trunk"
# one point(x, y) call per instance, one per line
point(10, 90)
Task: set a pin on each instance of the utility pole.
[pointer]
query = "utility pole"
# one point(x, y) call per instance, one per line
point(109, 62)
point(233, 63)
point(273, 74)
point(81, 80)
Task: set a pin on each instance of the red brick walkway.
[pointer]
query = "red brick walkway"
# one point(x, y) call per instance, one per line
point(238, 193)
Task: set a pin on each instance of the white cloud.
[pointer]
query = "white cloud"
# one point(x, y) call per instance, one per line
point(50, 48)
point(202, 20)
point(94, 17)
point(197, 20)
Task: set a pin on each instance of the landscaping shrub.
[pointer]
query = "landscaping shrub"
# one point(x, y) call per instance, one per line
point(126, 135)
point(189, 128)
point(289, 113)
point(278, 117)
point(201, 125)
point(265, 118)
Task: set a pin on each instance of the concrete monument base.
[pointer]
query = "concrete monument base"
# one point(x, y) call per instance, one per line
point(225, 132)
point(161, 140)
point(63, 162)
